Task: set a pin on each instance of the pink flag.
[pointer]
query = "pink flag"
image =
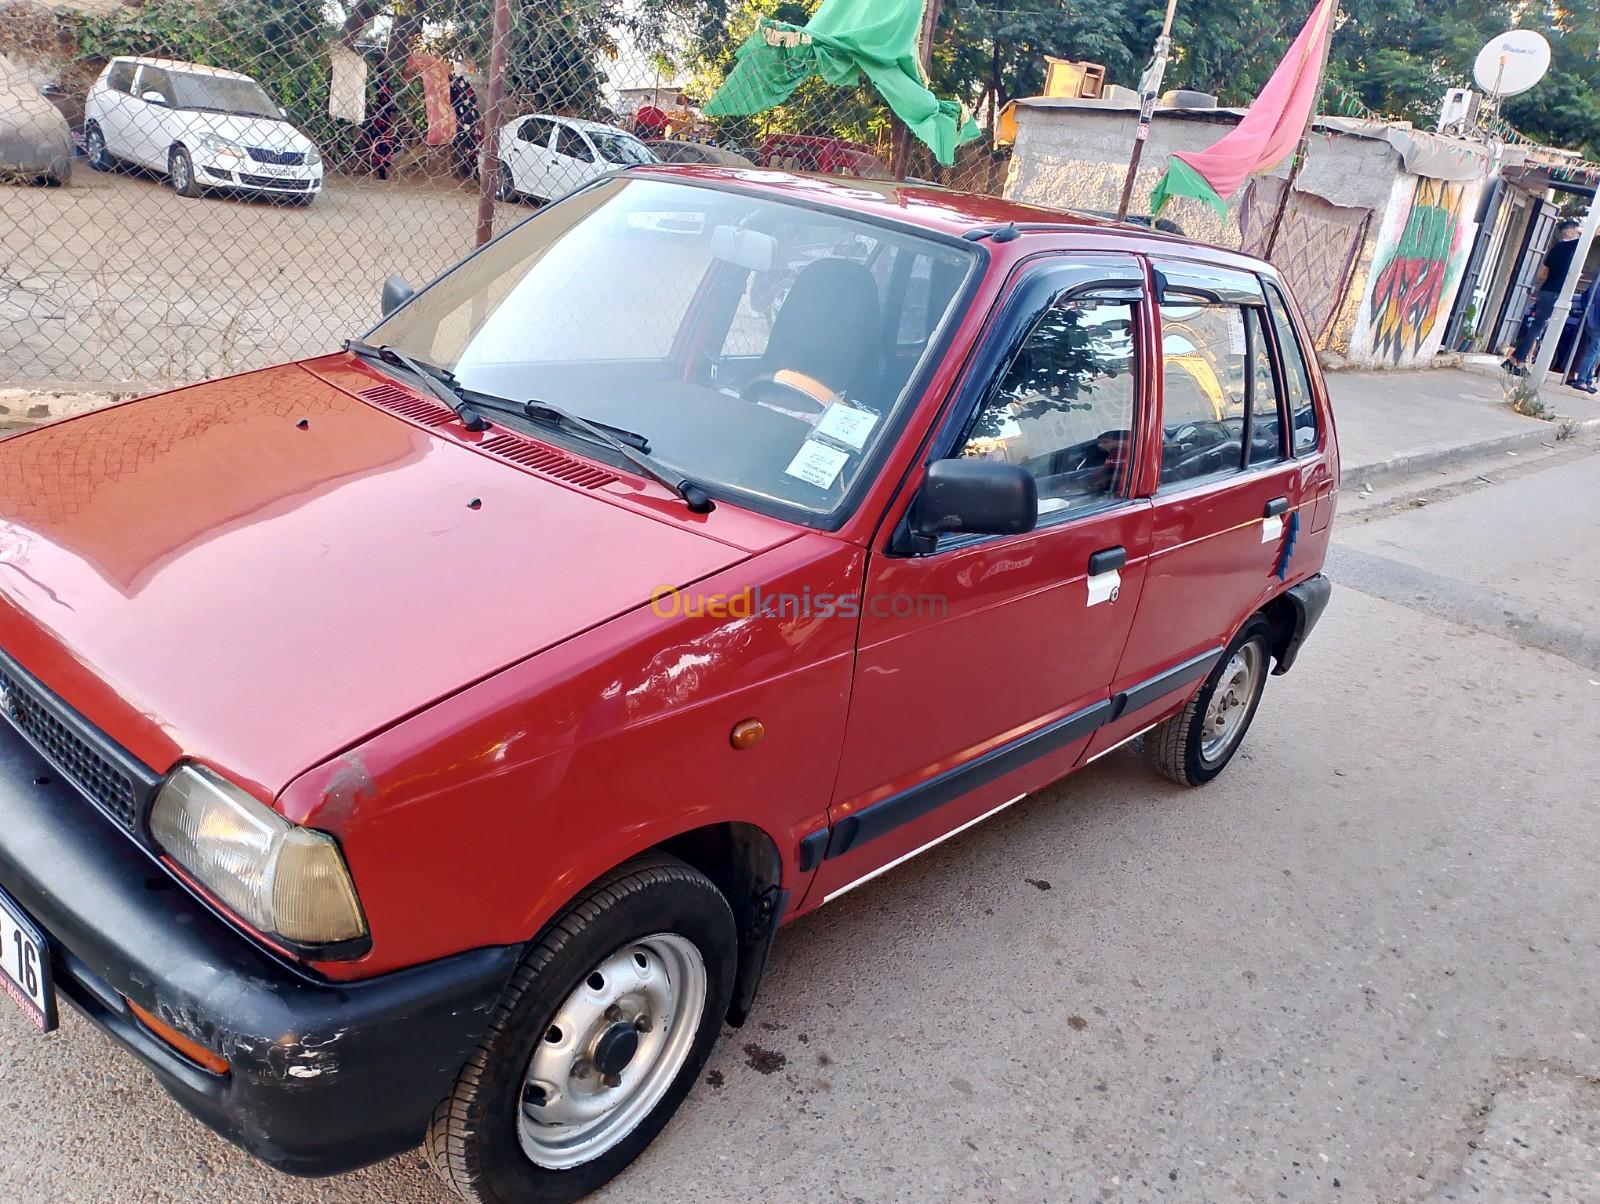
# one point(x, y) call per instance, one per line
point(1268, 132)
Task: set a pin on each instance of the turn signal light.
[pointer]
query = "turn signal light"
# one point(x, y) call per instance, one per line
point(188, 1047)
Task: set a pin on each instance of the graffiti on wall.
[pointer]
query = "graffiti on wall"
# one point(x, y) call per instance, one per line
point(1411, 271)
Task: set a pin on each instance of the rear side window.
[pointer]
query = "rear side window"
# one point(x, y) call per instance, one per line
point(571, 144)
point(1064, 408)
point(1302, 408)
point(121, 77)
point(535, 131)
point(1205, 354)
point(1266, 409)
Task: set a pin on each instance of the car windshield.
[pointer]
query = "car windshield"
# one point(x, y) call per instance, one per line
point(620, 148)
point(220, 94)
point(761, 348)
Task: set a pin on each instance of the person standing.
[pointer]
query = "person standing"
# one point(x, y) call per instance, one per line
point(1589, 337)
point(1552, 276)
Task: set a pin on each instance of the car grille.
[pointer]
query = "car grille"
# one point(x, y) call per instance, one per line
point(274, 182)
point(282, 158)
point(105, 773)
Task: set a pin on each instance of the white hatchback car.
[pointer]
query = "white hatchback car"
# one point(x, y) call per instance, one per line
point(206, 128)
point(545, 157)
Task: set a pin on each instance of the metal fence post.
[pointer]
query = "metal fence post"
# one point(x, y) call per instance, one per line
point(489, 158)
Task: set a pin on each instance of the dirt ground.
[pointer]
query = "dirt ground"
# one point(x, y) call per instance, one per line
point(115, 279)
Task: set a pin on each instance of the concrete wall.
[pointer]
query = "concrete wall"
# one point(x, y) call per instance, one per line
point(1073, 156)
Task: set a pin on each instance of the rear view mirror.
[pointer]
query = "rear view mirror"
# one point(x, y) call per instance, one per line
point(396, 292)
point(153, 97)
point(975, 497)
point(744, 248)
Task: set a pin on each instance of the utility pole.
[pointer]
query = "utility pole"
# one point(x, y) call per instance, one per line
point(1149, 90)
point(1558, 316)
point(902, 132)
point(489, 167)
point(1304, 147)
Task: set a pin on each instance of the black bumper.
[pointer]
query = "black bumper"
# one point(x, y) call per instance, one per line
point(1307, 601)
point(324, 1077)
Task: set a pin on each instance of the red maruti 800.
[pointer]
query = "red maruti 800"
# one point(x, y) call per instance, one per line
point(425, 742)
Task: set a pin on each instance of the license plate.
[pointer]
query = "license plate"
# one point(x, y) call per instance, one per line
point(25, 965)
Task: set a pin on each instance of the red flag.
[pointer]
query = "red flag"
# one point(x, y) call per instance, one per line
point(1268, 132)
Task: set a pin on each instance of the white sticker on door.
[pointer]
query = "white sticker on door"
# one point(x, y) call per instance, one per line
point(817, 464)
point(1271, 528)
point(847, 424)
point(1103, 587)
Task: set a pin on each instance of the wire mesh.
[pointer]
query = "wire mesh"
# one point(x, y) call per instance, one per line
point(239, 177)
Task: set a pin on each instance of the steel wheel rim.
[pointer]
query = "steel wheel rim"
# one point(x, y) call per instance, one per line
point(180, 173)
point(571, 1112)
point(96, 144)
point(1230, 701)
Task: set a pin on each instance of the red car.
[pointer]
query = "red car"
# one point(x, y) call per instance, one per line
point(426, 741)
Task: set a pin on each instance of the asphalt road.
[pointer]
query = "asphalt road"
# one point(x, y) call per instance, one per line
point(1361, 966)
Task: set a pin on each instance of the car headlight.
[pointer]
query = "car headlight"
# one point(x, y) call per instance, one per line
point(313, 157)
point(278, 877)
point(221, 146)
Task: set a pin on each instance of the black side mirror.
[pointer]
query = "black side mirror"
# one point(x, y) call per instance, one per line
point(396, 292)
point(975, 497)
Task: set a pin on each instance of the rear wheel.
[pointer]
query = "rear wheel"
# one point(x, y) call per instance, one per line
point(1196, 744)
point(180, 173)
point(94, 146)
point(598, 1038)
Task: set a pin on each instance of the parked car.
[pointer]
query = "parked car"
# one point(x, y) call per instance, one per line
point(35, 143)
point(544, 157)
point(205, 128)
point(677, 150)
point(822, 153)
point(391, 755)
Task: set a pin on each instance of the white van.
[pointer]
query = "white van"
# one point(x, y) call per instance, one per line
point(204, 127)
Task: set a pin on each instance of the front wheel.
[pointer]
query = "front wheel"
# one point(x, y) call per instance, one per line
point(598, 1038)
point(1196, 744)
point(180, 173)
point(94, 147)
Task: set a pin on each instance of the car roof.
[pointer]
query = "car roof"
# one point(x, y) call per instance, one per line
point(577, 123)
point(926, 206)
point(179, 65)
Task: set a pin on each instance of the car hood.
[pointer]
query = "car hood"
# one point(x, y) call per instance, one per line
point(246, 131)
point(260, 571)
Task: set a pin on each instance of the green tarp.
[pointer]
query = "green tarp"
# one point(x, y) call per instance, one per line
point(844, 40)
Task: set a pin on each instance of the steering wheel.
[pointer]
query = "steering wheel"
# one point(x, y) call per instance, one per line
point(789, 398)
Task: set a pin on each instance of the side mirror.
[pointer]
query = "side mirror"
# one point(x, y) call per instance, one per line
point(396, 292)
point(975, 497)
point(152, 97)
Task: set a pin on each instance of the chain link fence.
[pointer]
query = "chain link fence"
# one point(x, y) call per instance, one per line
point(242, 174)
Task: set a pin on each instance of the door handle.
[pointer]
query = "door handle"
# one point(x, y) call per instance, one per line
point(1275, 507)
point(1107, 559)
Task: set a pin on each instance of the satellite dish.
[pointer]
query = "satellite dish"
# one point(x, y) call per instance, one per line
point(1512, 63)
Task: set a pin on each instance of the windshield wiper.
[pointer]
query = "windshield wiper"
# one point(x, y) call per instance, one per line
point(631, 446)
point(441, 382)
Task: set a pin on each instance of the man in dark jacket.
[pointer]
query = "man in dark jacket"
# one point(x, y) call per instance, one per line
point(1552, 276)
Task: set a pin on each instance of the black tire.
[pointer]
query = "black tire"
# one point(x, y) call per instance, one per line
point(180, 173)
point(504, 189)
point(94, 146)
point(1176, 747)
point(473, 1139)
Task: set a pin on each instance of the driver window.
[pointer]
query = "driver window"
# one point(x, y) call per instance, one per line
point(1064, 408)
point(1205, 355)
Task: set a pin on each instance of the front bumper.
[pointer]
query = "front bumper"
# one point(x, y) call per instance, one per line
point(255, 177)
point(324, 1077)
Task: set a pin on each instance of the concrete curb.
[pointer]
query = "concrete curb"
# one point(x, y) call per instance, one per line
point(1406, 464)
